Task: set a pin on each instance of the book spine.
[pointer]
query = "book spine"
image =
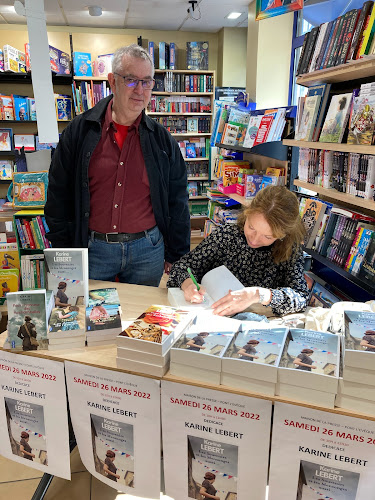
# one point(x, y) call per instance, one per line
point(38, 283)
point(324, 45)
point(341, 38)
point(362, 248)
point(366, 37)
point(34, 233)
point(331, 43)
point(363, 36)
point(332, 55)
point(353, 248)
point(344, 51)
point(29, 234)
point(309, 49)
point(21, 234)
point(38, 234)
point(358, 30)
point(42, 231)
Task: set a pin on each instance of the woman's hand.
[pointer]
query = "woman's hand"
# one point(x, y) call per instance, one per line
point(235, 302)
point(191, 293)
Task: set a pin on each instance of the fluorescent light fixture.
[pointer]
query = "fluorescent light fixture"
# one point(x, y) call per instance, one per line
point(234, 15)
point(95, 10)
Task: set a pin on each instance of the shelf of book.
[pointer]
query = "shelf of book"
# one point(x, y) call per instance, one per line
point(204, 178)
point(339, 270)
point(330, 146)
point(186, 71)
point(17, 121)
point(353, 70)
point(276, 149)
point(158, 92)
point(333, 194)
point(191, 134)
point(166, 113)
point(197, 159)
point(10, 77)
point(93, 78)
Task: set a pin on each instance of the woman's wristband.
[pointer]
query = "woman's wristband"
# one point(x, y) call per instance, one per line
point(265, 296)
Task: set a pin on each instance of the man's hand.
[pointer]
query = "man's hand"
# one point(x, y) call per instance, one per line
point(235, 302)
point(167, 267)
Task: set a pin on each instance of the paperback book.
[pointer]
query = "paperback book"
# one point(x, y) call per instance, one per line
point(103, 315)
point(27, 320)
point(359, 339)
point(337, 118)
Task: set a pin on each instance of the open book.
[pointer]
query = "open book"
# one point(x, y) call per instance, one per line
point(217, 283)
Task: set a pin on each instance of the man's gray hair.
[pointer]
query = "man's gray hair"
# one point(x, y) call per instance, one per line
point(133, 50)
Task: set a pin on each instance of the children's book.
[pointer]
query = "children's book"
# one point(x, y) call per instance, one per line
point(82, 64)
point(9, 282)
point(27, 320)
point(362, 119)
point(63, 109)
point(21, 109)
point(6, 170)
point(190, 150)
point(31, 108)
point(252, 130)
point(337, 118)
point(67, 275)
point(26, 141)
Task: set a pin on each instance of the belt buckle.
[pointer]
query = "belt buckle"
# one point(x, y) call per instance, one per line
point(106, 237)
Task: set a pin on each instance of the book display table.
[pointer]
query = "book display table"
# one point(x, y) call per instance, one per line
point(134, 300)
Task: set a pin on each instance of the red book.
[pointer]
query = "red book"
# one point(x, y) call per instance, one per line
point(26, 223)
point(264, 129)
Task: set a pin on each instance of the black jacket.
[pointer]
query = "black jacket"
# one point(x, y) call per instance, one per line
point(68, 198)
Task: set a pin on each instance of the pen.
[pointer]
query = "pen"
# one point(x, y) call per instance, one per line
point(193, 279)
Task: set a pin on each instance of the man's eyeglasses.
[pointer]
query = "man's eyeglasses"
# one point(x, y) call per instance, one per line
point(133, 82)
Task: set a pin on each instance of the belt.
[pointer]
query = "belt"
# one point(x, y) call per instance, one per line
point(117, 237)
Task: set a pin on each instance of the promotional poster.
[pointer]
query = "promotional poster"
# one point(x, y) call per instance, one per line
point(218, 443)
point(330, 456)
point(33, 413)
point(116, 421)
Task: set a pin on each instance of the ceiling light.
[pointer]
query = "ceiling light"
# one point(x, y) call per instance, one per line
point(95, 10)
point(234, 15)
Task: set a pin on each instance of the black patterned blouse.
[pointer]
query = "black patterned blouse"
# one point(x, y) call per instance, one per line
point(227, 246)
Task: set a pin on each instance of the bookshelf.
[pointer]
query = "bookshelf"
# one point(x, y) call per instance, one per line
point(174, 84)
point(344, 77)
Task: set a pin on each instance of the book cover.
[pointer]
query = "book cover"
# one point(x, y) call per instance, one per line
point(63, 109)
point(172, 56)
point(151, 50)
point(157, 324)
point(11, 59)
point(82, 64)
point(163, 59)
point(360, 331)
point(312, 216)
point(7, 107)
point(6, 169)
point(197, 55)
point(311, 351)
point(252, 130)
point(307, 124)
point(367, 271)
point(264, 128)
point(104, 311)
point(67, 323)
point(21, 110)
point(104, 64)
point(26, 141)
point(336, 119)
point(9, 281)
point(31, 108)
point(321, 297)
point(67, 275)
point(27, 320)
point(362, 119)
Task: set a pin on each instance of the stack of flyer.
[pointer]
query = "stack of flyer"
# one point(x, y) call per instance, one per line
point(197, 353)
point(103, 317)
point(357, 387)
point(250, 362)
point(309, 367)
point(144, 346)
point(67, 277)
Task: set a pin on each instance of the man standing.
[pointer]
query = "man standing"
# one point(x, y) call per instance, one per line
point(117, 182)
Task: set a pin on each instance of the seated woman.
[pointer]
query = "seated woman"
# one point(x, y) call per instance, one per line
point(263, 250)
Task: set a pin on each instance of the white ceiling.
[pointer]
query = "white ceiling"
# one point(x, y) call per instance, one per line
point(137, 14)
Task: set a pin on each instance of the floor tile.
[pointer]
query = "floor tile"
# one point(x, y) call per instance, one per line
point(13, 471)
point(19, 490)
point(76, 489)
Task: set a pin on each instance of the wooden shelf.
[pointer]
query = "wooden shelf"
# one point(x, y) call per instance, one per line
point(198, 217)
point(353, 70)
point(200, 197)
point(158, 92)
point(187, 71)
point(197, 159)
point(10, 77)
point(165, 113)
point(203, 178)
point(184, 134)
point(93, 78)
point(346, 148)
point(333, 194)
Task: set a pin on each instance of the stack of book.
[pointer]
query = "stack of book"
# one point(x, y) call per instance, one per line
point(346, 38)
point(87, 94)
point(309, 367)
point(197, 354)
point(103, 317)
point(181, 82)
point(250, 362)
point(144, 346)
point(357, 386)
point(66, 328)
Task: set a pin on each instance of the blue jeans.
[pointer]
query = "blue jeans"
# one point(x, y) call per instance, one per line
point(140, 262)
